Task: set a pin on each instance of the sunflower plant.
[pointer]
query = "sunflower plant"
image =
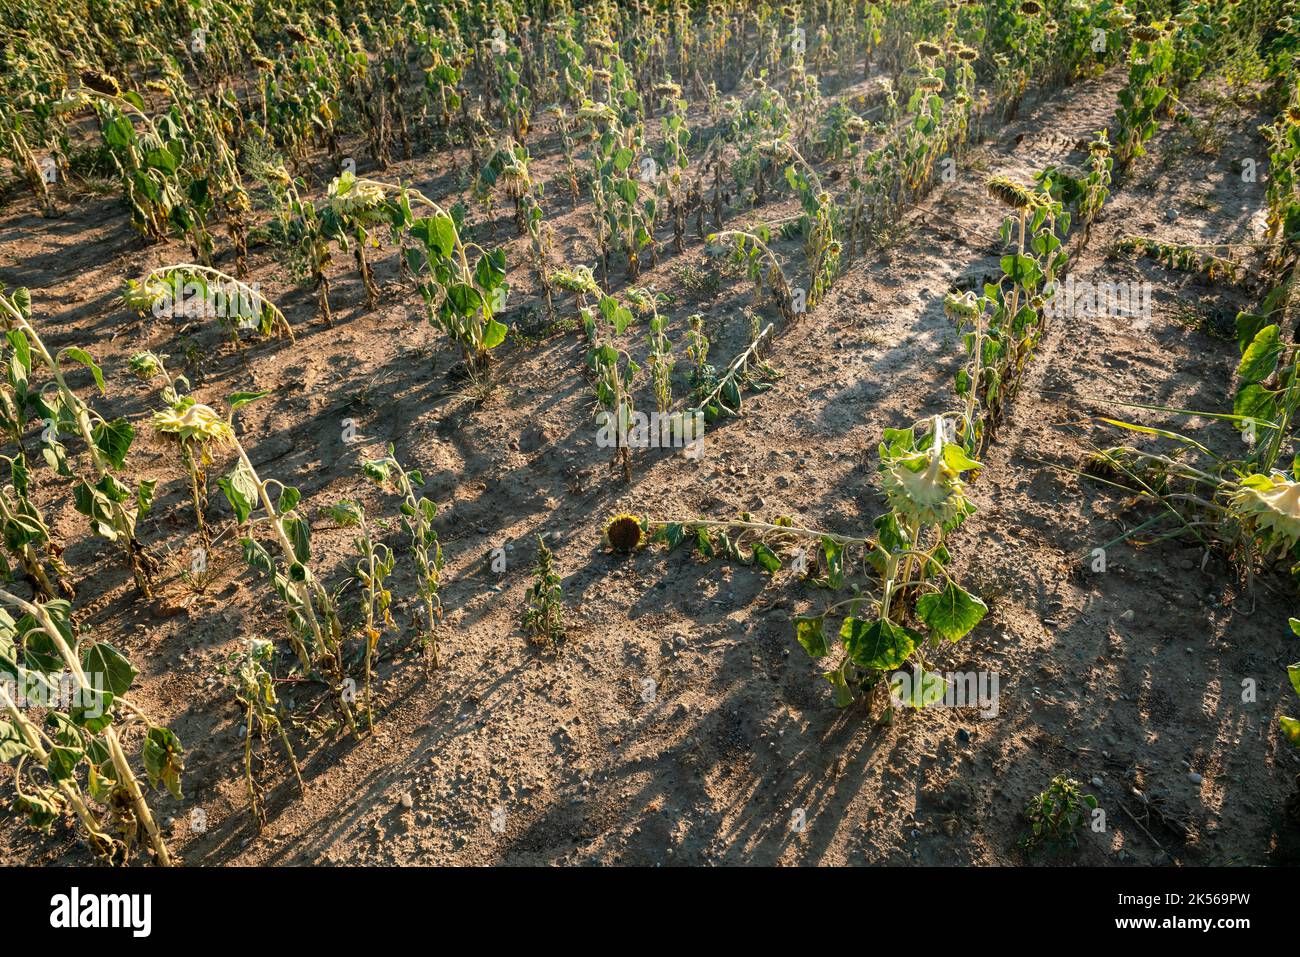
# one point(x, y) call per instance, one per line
point(919, 606)
point(75, 761)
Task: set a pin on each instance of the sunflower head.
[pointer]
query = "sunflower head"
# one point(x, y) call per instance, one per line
point(923, 488)
point(195, 423)
point(930, 84)
point(1145, 33)
point(145, 365)
point(1010, 193)
point(1101, 145)
point(965, 308)
point(278, 176)
point(100, 82)
point(145, 295)
point(1270, 507)
point(623, 533)
point(1031, 8)
point(928, 50)
point(349, 196)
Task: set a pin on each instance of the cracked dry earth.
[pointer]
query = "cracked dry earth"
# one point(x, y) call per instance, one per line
point(1129, 680)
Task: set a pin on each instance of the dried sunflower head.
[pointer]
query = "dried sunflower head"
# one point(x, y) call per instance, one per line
point(597, 111)
point(623, 533)
point(278, 176)
point(1145, 33)
point(100, 82)
point(927, 49)
point(578, 279)
point(1010, 193)
point(930, 84)
point(1270, 506)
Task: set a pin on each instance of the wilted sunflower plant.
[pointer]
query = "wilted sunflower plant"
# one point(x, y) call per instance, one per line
point(29, 545)
point(374, 565)
point(1246, 507)
point(418, 514)
point(198, 431)
point(1151, 62)
point(190, 290)
point(463, 296)
point(919, 606)
point(251, 681)
point(315, 632)
point(1002, 325)
point(74, 761)
point(110, 503)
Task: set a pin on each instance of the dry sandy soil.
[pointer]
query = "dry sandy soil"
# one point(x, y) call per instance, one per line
point(1130, 681)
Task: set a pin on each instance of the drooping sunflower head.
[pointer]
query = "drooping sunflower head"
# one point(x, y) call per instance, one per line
point(1270, 507)
point(597, 111)
point(100, 82)
point(1293, 115)
point(578, 279)
point(930, 84)
point(349, 196)
point(1031, 8)
point(195, 423)
point(964, 307)
point(1145, 33)
point(923, 488)
point(145, 295)
point(278, 176)
point(623, 533)
point(1101, 145)
point(1010, 193)
point(145, 365)
point(927, 49)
